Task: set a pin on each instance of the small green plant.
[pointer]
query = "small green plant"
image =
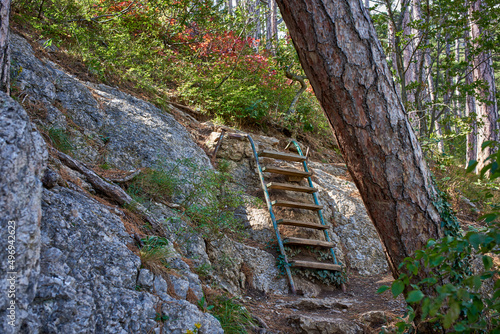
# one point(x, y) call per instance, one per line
point(161, 317)
point(326, 277)
point(61, 140)
point(105, 166)
point(155, 249)
point(206, 195)
point(234, 318)
point(203, 305)
point(204, 270)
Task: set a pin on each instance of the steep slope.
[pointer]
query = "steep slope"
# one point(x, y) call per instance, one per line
point(83, 272)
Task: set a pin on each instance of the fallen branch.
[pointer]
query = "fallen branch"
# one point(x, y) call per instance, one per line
point(124, 179)
point(112, 191)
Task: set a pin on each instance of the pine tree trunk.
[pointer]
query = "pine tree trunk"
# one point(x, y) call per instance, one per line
point(4, 46)
point(339, 51)
point(486, 104)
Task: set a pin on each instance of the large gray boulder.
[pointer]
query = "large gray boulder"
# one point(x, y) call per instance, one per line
point(91, 282)
point(104, 125)
point(22, 162)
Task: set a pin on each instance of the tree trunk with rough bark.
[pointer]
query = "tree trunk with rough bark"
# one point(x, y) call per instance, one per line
point(4, 46)
point(339, 51)
point(486, 103)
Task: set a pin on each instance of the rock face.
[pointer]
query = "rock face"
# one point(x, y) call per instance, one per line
point(90, 282)
point(103, 124)
point(240, 266)
point(22, 162)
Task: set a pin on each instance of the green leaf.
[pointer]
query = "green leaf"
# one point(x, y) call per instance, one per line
point(415, 296)
point(397, 288)
point(472, 166)
point(487, 262)
point(477, 282)
point(383, 289)
point(475, 239)
point(426, 307)
point(452, 315)
point(487, 143)
point(489, 217)
point(437, 261)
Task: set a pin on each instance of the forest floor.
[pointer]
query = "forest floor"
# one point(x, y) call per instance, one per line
point(360, 297)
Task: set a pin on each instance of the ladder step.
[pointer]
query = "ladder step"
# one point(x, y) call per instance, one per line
point(307, 242)
point(282, 156)
point(292, 187)
point(286, 171)
point(302, 224)
point(307, 206)
point(316, 265)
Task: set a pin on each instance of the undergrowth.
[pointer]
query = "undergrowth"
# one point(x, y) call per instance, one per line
point(205, 196)
point(190, 51)
point(234, 318)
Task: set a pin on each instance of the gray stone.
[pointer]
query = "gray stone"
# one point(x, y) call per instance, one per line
point(161, 288)
point(375, 318)
point(307, 288)
point(50, 178)
point(184, 315)
point(324, 325)
point(234, 262)
point(145, 279)
point(22, 162)
point(180, 286)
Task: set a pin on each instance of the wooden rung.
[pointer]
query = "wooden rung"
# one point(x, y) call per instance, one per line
point(307, 242)
point(307, 206)
point(316, 265)
point(282, 156)
point(292, 187)
point(286, 171)
point(301, 224)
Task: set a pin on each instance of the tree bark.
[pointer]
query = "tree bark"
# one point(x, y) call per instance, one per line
point(4, 46)
point(470, 108)
point(339, 51)
point(486, 103)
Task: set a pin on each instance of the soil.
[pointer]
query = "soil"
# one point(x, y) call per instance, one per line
point(275, 313)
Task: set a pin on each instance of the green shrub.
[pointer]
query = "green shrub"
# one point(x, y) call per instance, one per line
point(458, 294)
point(205, 195)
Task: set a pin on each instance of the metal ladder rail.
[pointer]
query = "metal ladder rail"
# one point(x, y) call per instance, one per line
point(273, 218)
point(320, 214)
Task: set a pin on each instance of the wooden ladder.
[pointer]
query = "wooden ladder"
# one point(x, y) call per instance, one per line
point(305, 173)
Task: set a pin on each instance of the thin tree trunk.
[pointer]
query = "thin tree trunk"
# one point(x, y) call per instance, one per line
point(410, 70)
point(470, 108)
point(422, 99)
point(339, 51)
point(274, 22)
point(486, 103)
point(4, 46)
